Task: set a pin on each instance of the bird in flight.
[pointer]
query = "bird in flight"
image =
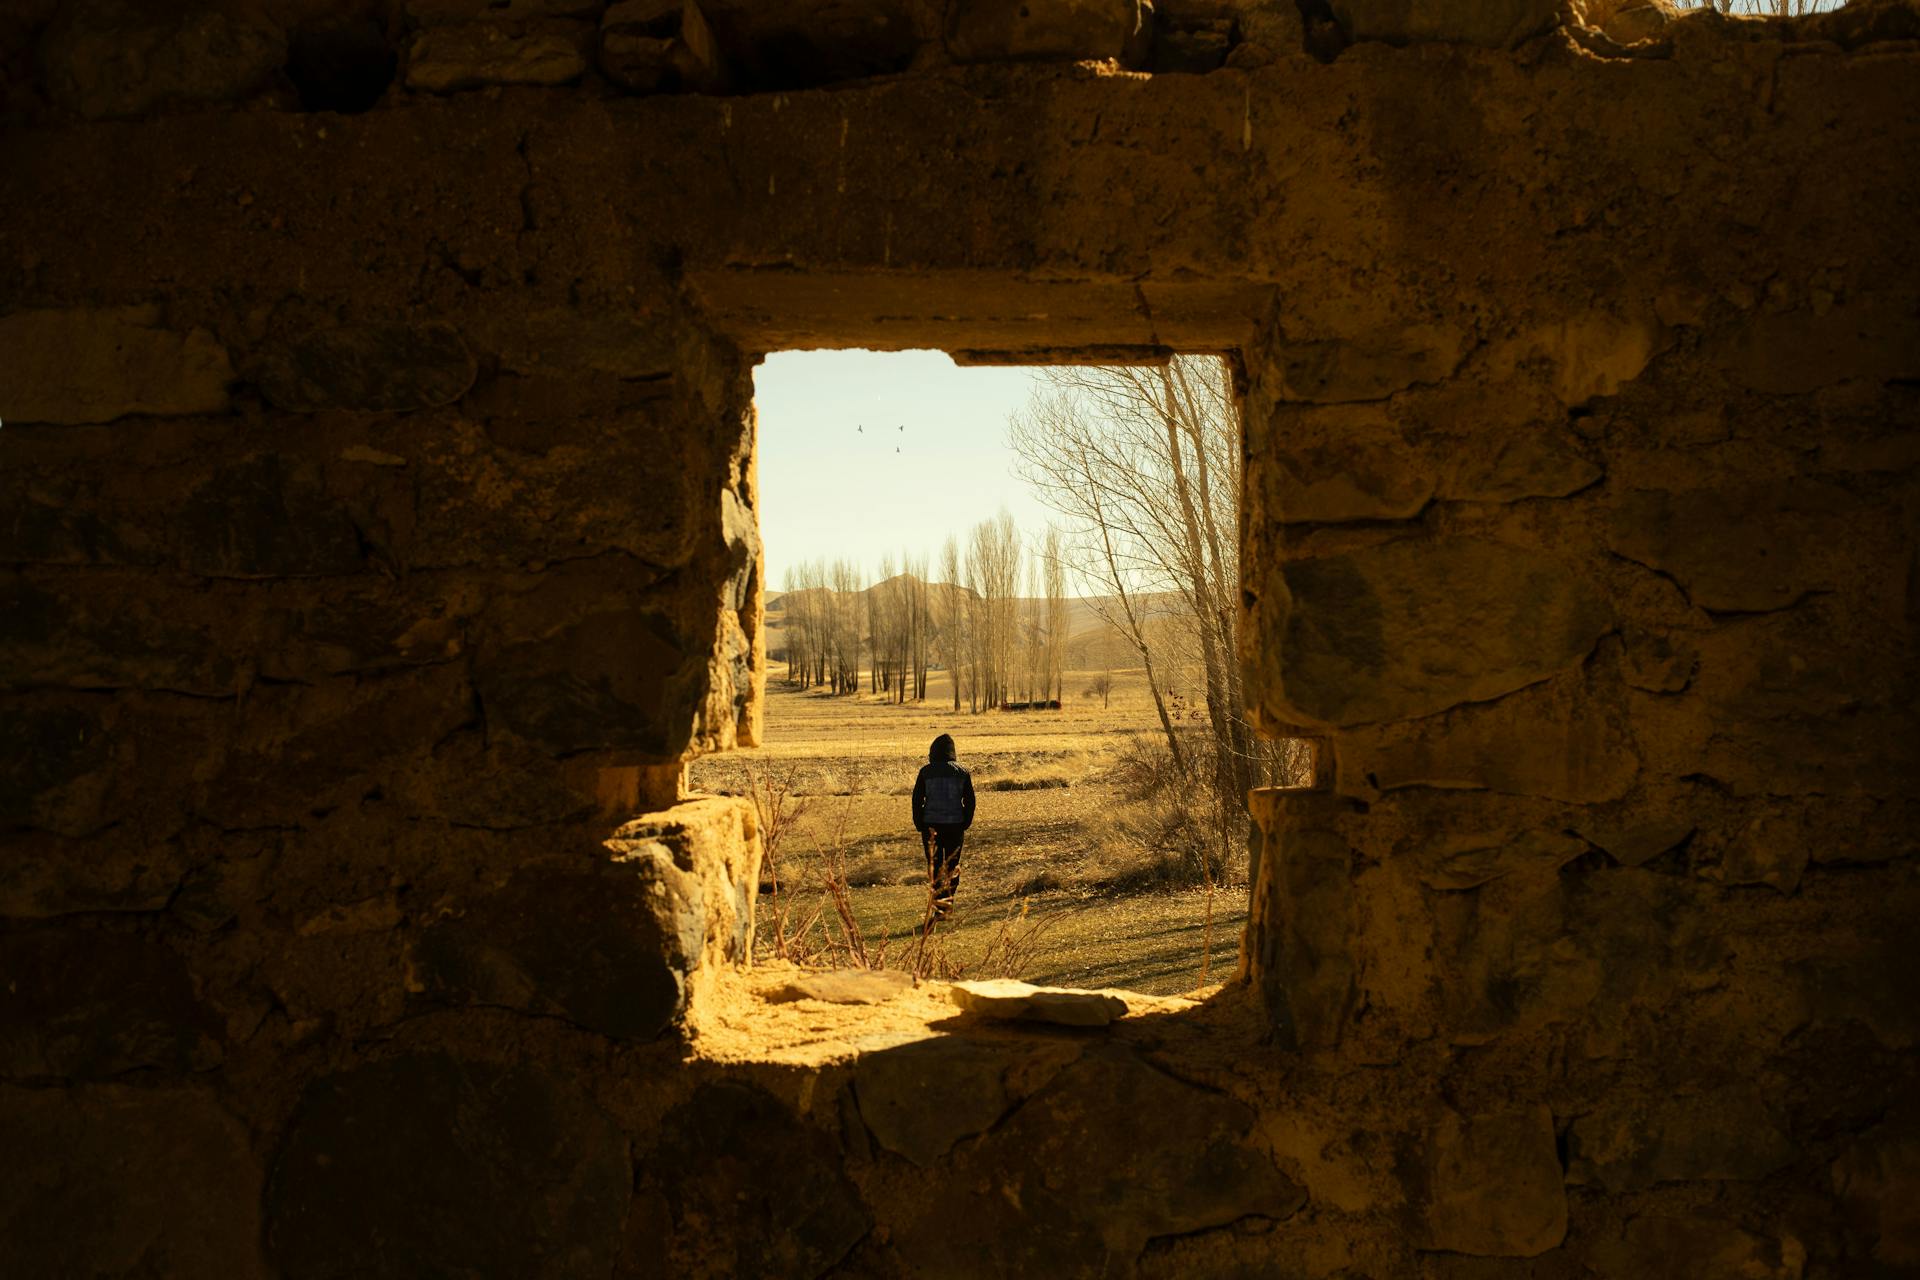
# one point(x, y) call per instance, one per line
point(861, 430)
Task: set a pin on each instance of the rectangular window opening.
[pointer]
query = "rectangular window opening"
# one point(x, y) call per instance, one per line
point(1039, 562)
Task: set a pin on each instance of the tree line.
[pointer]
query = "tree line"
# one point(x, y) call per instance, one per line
point(997, 645)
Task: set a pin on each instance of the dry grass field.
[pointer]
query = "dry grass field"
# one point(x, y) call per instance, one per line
point(1060, 881)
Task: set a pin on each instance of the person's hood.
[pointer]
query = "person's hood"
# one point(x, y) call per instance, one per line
point(942, 749)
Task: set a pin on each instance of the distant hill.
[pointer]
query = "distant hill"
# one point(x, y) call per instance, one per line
point(778, 604)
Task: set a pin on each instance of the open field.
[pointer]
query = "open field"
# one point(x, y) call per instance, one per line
point(1055, 869)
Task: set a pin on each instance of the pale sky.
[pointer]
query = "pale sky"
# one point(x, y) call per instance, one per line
point(829, 490)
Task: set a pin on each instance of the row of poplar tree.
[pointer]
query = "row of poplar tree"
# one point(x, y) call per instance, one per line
point(998, 646)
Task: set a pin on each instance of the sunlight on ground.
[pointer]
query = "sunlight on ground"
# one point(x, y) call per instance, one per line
point(1041, 862)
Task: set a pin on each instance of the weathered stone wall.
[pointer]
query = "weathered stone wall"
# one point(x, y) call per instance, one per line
point(378, 539)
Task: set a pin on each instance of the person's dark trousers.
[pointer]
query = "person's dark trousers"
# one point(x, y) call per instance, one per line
point(943, 864)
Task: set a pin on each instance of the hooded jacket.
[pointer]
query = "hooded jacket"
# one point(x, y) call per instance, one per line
point(943, 793)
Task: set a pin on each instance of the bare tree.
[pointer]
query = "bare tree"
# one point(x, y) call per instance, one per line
point(1143, 462)
point(1054, 585)
point(993, 572)
point(951, 618)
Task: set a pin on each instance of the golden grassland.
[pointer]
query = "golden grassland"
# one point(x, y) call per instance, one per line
point(1051, 865)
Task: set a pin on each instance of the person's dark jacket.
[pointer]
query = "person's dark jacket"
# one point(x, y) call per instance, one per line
point(943, 793)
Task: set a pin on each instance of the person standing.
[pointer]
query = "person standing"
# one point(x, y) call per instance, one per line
point(942, 812)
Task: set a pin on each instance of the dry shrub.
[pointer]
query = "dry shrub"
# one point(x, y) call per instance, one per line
point(1061, 770)
point(1010, 951)
point(779, 809)
point(1166, 833)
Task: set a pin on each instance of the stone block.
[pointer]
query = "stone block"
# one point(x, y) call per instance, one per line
point(1876, 338)
point(56, 759)
point(1877, 1181)
point(1680, 1244)
point(805, 43)
point(1565, 739)
point(109, 1180)
point(1536, 948)
point(844, 986)
point(430, 1164)
point(659, 46)
point(1490, 1185)
point(1132, 1153)
point(70, 632)
point(475, 55)
point(81, 1004)
point(1771, 849)
point(737, 1185)
point(1005, 999)
point(301, 748)
point(1337, 484)
point(621, 682)
point(1471, 859)
point(1370, 367)
point(1300, 941)
point(378, 367)
point(562, 340)
point(921, 1098)
point(1728, 1134)
point(1538, 464)
point(108, 58)
point(95, 364)
point(608, 948)
point(1496, 24)
point(1193, 50)
point(618, 481)
point(1582, 357)
point(1632, 844)
point(1657, 663)
point(1747, 549)
point(1061, 30)
point(121, 869)
point(708, 849)
point(1419, 625)
point(265, 516)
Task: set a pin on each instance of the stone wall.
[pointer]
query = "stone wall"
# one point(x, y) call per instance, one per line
point(378, 535)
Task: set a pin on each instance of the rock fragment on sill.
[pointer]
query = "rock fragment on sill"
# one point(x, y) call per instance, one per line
point(1004, 998)
point(844, 986)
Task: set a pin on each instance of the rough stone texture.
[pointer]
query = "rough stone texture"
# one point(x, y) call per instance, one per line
point(1577, 388)
point(114, 1180)
point(920, 1099)
point(106, 58)
point(98, 364)
point(990, 30)
point(1565, 739)
point(651, 46)
point(736, 1185)
point(609, 949)
point(1007, 999)
point(475, 55)
point(1413, 627)
point(88, 1005)
point(1878, 1181)
point(1498, 23)
point(1299, 927)
point(423, 1163)
point(1740, 552)
point(1491, 1185)
point(704, 854)
point(382, 367)
point(1130, 1153)
point(1730, 1134)
point(846, 986)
